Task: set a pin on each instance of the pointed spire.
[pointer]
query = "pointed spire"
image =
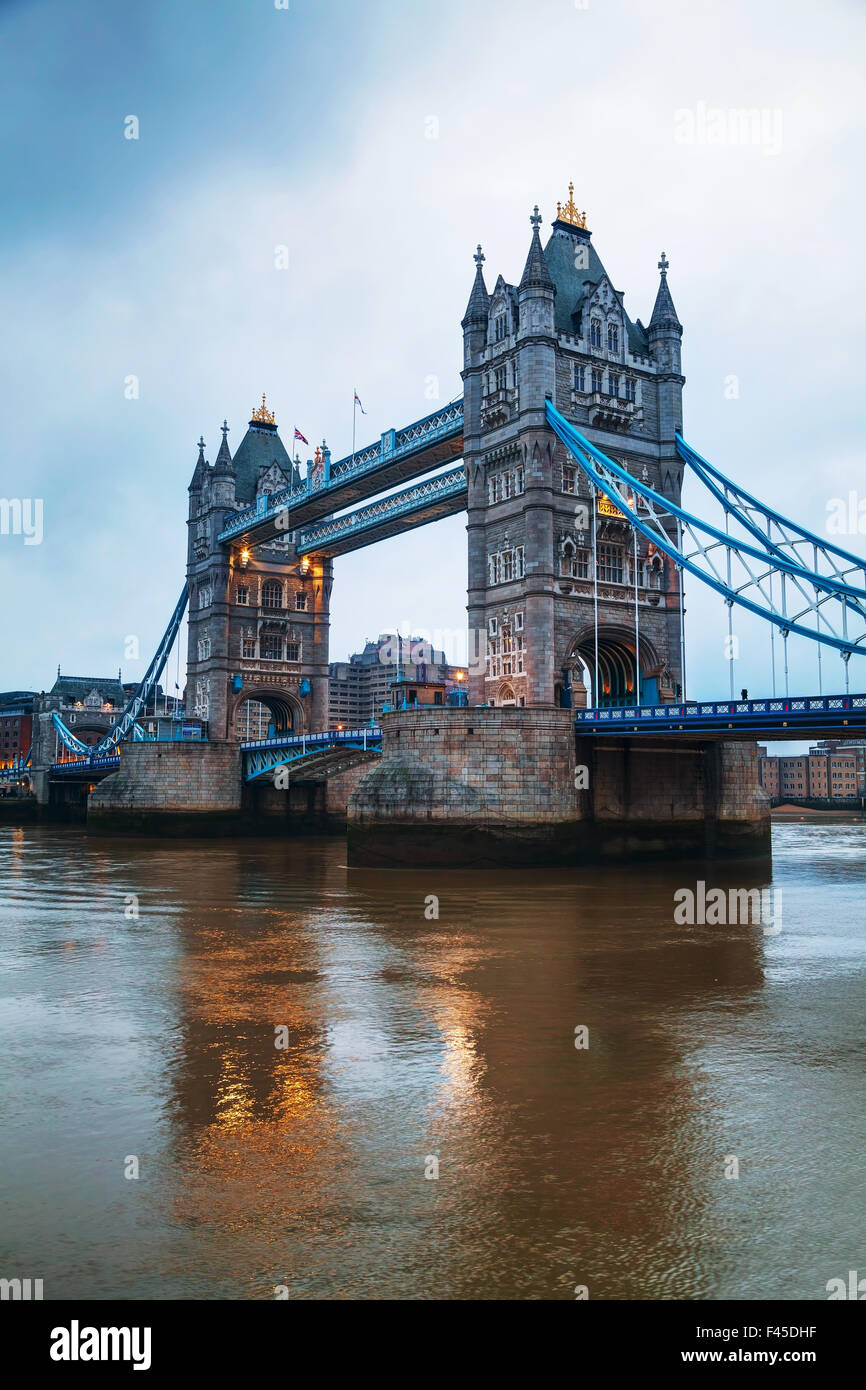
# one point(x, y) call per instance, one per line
point(223, 462)
point(479, 300)
point(664, 314)
point(200, 473)
point(536, 275)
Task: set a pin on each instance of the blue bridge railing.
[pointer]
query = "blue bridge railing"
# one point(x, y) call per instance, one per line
point(788, 712)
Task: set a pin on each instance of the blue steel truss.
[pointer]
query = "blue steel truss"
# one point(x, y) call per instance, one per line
point(263, 756)
point(440, 427)
point(425, 501)
point(821, 605)
point(125, 725)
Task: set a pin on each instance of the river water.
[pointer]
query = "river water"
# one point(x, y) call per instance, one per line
point(412, 1041)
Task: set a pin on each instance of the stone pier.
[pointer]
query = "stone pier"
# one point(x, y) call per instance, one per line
point(514, 786)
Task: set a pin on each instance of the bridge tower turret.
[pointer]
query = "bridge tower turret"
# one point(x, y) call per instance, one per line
point(537, 574)
point(258, 618)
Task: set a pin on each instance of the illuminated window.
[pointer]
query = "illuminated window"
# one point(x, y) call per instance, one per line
point(272, 594)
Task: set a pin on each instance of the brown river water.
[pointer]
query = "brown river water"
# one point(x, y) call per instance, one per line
point(412, 1041)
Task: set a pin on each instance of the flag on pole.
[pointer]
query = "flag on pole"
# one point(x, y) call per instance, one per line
point(357, 402)
point(302, 437)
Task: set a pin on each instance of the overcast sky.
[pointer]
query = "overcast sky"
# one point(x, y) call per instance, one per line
point(379, 142)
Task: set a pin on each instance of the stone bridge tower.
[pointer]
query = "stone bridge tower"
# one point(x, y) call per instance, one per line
point(258, 620)
point(563, 334)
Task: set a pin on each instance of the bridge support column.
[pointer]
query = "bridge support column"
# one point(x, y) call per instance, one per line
point(513, 786)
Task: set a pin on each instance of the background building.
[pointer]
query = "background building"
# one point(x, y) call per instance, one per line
point(359, 687)
point(16, 723)
point(830, 771)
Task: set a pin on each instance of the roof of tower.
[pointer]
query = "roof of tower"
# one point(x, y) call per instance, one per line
point(223, 462)
point(479, 299)
point(575, 277)
point(664, 314)
point(201, 468)
point(260, 448)
point(536, 273)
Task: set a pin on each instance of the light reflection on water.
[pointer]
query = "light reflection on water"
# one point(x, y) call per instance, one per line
point(409, 1038)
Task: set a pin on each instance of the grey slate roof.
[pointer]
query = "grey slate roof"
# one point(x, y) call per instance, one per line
point(536, 272)
point(72, 688)
point(479, 300)
point(664, 314)
point(260, 447)
point(573, 283)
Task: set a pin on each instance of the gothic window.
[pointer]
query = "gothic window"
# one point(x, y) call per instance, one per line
point(518, 482)
point(506, 485)
point(518, 562)
point(630, 388)
point(293, 651)
point(518, 622)
point(580, 378)
point(518, 653)
point(272, 594)
point(242, 594)
point(500, 327)
point(568, 553)
point(272, 647)
point(610, 563)
point(613, 384)
point(612, 338)
point(300, 601)
point(596, 379)
point(506, 566)
point(581, 565)
point(203, 648)
point(595, 333)
point(568, 478)
point(205, 596)
point(500, 378)
point(248, 646)
point(491, 569)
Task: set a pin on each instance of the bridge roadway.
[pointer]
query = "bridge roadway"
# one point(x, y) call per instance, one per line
point(399, 456)
point(774, 719)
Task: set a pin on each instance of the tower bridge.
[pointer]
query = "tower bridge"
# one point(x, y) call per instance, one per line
point(573, 460)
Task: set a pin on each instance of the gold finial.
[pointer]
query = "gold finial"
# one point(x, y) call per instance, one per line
point(263, 416)
point(569, 212)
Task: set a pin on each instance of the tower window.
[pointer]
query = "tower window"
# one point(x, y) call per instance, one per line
point(272, 647)
point(568, 478)
point(613, 383)
point(272, 594)
point(612, 338)
point(596, 379)
point(242, 593)
point(248, 647)
point(610, 563)
point(630, 388)
point(595, 333)
point(300, 601)
point(500, 378)
point(580, 378)
point(293, 651)
point(500, 328)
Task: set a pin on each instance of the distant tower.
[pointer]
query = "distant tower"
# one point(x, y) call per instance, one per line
point(258, 620)
point(563, 334)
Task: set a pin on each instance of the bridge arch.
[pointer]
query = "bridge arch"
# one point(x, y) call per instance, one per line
point(619, 684)
point(284, 706)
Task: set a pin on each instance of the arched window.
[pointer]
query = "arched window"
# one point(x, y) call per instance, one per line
point(595, 333)
point(612, 338)
point(568, 554)
point(272, 594)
